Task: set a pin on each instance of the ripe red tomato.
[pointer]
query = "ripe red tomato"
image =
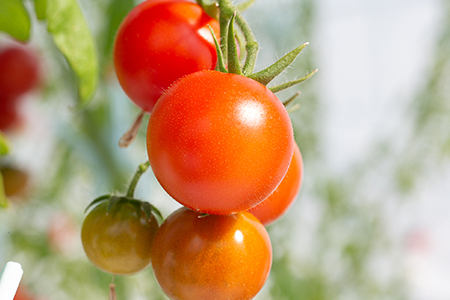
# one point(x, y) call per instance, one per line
point(19, 71)
point(119, 241)
point(9, 115)
point(282, 198)
point(158, 42)
point(211, 257)
point(219, 143)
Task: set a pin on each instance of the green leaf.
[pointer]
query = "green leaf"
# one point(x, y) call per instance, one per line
point(4, 144)
point(3, 199)
point(66, 24)
point(14, 19)
point(40, 6)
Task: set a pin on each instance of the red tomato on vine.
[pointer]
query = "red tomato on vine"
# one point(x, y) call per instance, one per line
point(158, 42)
point(211, 257)
point(219, 143)
point(19, 71)
point(282, 198)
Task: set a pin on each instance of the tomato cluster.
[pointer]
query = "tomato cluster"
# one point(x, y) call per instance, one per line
point(19, 73)
point(218, 141)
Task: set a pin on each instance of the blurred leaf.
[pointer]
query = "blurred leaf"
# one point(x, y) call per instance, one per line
point(4, 144)
point(40, 7)
point(3, 199)
point(116, 12)
point(14, 19)
point(66, 24)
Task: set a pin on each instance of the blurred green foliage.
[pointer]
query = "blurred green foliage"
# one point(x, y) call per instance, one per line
point(330, 245)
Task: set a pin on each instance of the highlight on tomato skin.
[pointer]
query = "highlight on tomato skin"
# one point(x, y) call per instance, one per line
point(219, 143)
point(119, 241)
point(158, 42)
point(211, 257)
point(279, 202)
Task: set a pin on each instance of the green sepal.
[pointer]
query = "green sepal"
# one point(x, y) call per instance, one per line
point(293, 108)
point(245, 5)
point(112, 201)
point(265, 76)
point(210, 7)
point(149, 209)
point(97, 201)
point(291, 99)
point(3, 200)
point(14, 19)
point(220, 62)
point(234, 66)
point(4, 144)
point(286, 85)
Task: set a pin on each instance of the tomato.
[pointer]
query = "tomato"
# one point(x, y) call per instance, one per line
point(219, 143)
point(19, 70)
point(282, 198)
point(158, 42)
point(15, 181)
point(23, 294)
point(9, 115)
point(119, 241)
point(211, 257)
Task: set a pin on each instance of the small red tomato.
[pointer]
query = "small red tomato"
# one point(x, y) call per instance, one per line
point(219, 143)
point(158, 42)
point(282, 198)
point(211, 257)
point(19, 71)
point(9, 115)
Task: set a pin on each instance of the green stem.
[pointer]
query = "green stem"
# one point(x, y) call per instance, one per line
point(140, 170)
point(227, 10)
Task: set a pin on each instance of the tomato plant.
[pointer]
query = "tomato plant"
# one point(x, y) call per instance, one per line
point(219, 143)
point(118, 239)
point(282, 198)
point(211, 257)
point(158, 42)
point(19, 71)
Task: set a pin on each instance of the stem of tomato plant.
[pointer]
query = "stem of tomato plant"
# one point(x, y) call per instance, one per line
point(227, 10)
point(140, 170)
point(112, 289)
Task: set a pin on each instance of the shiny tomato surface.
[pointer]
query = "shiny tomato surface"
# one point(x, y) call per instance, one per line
point(282, 198)
point(219, 143)
point(158, 42)
point(211, 257)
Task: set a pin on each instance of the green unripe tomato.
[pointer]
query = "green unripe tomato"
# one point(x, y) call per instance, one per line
point(119, 241)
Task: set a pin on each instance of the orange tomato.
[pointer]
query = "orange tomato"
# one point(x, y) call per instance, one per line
point(282, 198)
point(211, 257)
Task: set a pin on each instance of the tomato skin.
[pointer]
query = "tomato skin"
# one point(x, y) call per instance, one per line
point(118, 242)
point(9, 115)
point(19, 71)
point(158, 42)
point(278, 203)
point(219, 143)
point(211, 257)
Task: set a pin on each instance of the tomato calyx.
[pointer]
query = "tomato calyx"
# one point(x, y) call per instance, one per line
point(113, 200)
point(228, 51)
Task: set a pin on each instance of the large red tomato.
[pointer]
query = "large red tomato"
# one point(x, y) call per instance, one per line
point(19, 71)
point(219, 143)
point(282, 198)
point(158, 42)
point(211, 257)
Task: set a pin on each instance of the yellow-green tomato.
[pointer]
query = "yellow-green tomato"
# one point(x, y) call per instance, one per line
point(119, 241)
